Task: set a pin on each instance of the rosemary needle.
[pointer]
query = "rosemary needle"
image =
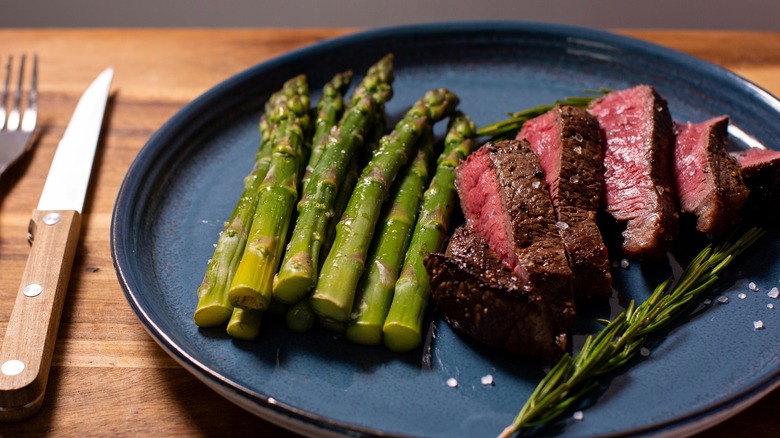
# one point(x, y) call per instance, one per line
point(619, 341)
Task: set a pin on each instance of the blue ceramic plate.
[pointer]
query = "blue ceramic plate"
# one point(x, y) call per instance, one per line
point(185, 181)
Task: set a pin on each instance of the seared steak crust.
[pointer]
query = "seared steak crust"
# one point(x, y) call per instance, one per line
point(708, 181)
point(505, 279)
point(567, 141)
point(638, 175)
point(760, 169)
point(484, 299)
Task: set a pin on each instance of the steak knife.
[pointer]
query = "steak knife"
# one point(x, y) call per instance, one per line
point(28, 345)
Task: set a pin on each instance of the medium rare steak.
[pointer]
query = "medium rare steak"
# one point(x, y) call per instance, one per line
point(567, 142)
point(707, 179)
point(504, 198)
point(760, 170)
point(511, 225)
point(638, 136)
point(483, 298)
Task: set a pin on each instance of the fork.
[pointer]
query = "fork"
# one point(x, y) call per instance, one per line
point(16, 130)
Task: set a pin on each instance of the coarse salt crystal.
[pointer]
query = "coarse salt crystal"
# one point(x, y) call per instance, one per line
point(724, 299)
point(574, 179)
point(625, 264)
point(562, 225)
point(579, 415)
point(707, 302)
point(770, 306)
point(758, 325)
point(487, 380)
point(452, 383)
point(773, 293)
point(644, 351)
point(752, 286)
point(742, 296)
point(536, 184)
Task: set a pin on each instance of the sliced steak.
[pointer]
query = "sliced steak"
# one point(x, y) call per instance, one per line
point(708, 182)
point(506, 202)
point(760, 170)
point(567, 141)
point(482, 298)
point(505, 199)
point(638, 137)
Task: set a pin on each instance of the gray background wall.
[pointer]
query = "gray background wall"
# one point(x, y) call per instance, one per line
point(665, 14)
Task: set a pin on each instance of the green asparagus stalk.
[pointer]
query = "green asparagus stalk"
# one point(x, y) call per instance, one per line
point(298, 272)
point(214, 308)
point(251, 287)
point(375, 290)
point(403, 326)
point(339, 205)
point(329, 111)
point(335, 291)
point(300, 318)
point(245, 324)
point(350, 179)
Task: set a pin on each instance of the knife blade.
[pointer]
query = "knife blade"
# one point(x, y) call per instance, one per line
point(28, 345)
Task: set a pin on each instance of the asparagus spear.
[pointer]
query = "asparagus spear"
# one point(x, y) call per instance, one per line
point(245, 323)
point(329, 111)
point(403, 326)
point(252, 283)
point(300, 318)
point(298, 272)
point(350, 179)
point(213, 307)
point(375, 290)
point(335, 290)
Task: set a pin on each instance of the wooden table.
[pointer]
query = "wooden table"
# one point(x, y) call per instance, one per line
point(109, 378)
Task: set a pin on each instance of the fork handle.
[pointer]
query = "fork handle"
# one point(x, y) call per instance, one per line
point(28, 347)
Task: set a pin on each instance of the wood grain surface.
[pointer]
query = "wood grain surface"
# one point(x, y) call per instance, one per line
point(108, 377)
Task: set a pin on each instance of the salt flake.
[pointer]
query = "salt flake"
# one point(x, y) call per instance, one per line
point(752, 286)
point(452, 383)
point(724, 299)
point(487, 380)
point(742, 296)
point(770, 306)
point(579, 415)
point(758, 325)
point(773, 293)
point(644, 351)
point(625, 264)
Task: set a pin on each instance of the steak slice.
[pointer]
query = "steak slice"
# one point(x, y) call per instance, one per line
point(567, 142)
point(638, 136)
point(760, 170)
point(505, 199)
point(708, 182)
point(482, 298)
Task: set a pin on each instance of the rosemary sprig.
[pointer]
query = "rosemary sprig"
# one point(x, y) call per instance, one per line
point(619, 341)
point(510, 126)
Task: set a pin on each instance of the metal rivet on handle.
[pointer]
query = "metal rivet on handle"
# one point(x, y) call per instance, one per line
point(32, 290)
point(51, 218)
point(12, 367)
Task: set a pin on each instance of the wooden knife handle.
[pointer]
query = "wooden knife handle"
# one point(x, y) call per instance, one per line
point(28, 346)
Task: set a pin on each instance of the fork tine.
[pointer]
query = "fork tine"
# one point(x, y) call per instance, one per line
point(14, 117)
point(31, 112)
point(5, 92)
